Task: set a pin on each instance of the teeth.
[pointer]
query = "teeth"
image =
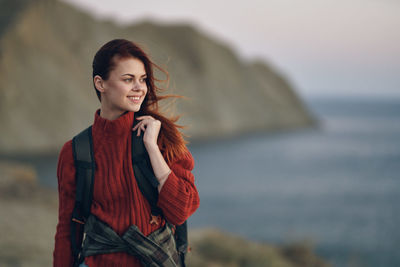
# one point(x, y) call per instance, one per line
point(134, 97)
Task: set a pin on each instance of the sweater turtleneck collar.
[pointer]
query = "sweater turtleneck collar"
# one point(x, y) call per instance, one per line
point(118, 127)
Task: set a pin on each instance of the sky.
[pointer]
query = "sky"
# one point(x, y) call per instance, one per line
point(326, 48)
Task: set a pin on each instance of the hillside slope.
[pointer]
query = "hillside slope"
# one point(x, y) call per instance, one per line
point(46, 92)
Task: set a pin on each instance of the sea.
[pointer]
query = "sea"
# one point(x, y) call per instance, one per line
point(335, 187)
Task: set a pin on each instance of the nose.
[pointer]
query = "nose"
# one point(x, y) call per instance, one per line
point(136, 86)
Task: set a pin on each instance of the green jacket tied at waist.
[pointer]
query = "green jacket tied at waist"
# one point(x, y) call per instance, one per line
point(156, 250)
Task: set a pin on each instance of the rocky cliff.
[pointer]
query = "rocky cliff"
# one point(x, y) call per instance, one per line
point(46, 92)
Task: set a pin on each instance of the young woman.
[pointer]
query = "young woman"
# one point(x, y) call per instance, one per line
point(124, 83)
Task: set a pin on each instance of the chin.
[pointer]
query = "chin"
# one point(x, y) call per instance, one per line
point(134, 109)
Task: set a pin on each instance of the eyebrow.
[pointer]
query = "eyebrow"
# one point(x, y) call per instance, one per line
point(132, 75)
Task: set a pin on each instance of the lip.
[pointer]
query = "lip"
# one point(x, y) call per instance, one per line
point(135, 101)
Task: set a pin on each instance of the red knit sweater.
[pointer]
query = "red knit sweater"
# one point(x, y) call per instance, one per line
point(117, 199)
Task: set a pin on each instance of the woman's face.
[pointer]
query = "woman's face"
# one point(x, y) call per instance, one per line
point(125, 88)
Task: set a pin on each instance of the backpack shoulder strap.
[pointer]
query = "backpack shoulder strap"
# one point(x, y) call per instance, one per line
point(82, 146)
point(144, 174)
point(85, 166)
point(148, 184)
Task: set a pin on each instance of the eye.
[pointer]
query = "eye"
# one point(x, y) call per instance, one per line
point(128, 80)
point(143, 79)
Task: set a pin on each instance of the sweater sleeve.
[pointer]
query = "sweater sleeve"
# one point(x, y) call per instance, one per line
point(62, 255)
point(178, 198)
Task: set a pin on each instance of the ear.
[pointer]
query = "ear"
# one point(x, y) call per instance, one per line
point(99, 83)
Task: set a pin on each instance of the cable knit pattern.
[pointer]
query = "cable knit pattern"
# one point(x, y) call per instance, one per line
point(117, 199)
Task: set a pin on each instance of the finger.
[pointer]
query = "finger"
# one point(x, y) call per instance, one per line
point(145, 117)
point(134, 128)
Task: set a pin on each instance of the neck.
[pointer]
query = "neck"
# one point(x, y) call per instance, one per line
point(110, 114)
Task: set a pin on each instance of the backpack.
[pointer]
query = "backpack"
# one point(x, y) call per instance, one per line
point(85, 165)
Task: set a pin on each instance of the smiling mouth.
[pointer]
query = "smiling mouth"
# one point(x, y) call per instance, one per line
point(134, 99)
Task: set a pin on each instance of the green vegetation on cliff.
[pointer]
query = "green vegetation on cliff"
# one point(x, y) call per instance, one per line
point(214, 248)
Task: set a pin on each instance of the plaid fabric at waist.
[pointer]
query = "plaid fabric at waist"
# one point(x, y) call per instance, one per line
point(156, 250)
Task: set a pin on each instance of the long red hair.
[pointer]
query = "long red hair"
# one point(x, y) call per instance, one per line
point(170, 139)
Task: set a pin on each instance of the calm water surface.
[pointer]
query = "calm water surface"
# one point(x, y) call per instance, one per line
point(337, 186)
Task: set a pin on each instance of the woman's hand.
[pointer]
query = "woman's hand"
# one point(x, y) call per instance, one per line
point(151, 128)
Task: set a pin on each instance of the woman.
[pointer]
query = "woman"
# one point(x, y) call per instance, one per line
point(124, 83)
